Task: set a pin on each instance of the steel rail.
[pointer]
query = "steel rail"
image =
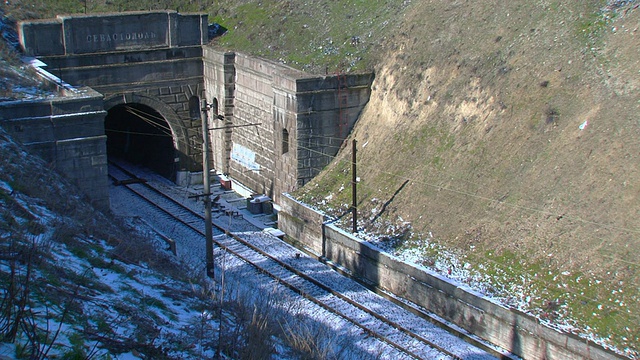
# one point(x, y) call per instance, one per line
point(291, 269)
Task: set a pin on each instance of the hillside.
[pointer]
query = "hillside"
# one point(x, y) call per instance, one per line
point(73, 288)
point(501, 135)
point(507, 133)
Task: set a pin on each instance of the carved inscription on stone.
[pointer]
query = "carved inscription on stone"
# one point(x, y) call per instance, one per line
point(133, 36)
point(86, 34)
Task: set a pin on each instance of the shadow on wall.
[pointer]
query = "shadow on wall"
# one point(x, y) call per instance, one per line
point(338, 247)
point(215, 30)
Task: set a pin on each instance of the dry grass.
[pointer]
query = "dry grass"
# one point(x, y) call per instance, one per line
point(480, 105)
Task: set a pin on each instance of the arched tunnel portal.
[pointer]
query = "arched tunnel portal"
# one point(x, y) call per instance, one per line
point(140, 135)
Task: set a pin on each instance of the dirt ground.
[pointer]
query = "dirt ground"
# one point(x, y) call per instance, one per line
point(515, 127)
point(524, 129)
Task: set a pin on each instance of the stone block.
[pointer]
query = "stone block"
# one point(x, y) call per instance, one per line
point(508, 328)
point(42, 38)
point(46, 150)
point(193, 29)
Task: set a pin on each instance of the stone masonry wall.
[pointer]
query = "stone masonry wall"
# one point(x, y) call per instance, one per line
point(254, 151)
point(302, 224)
point(282, 125)
point(327, 109)
point(219, 77)
point(150, 58)
point(166, 86)
point(67, 132)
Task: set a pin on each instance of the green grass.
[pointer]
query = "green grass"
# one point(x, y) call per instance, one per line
point(305, 35)
point(320, 35)
point(567, 295)
point(328, 190)
point(554, 296)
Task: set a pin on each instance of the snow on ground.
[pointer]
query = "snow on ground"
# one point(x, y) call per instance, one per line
point(451, 266)
point(112, 302)
point(348, 340)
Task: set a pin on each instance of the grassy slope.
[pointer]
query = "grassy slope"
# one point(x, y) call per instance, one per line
point(478, 105)
point(316, 36)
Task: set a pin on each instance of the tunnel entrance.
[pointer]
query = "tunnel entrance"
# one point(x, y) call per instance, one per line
point(140, 135)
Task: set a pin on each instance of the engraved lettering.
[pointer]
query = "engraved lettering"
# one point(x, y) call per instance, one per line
point(130, 36)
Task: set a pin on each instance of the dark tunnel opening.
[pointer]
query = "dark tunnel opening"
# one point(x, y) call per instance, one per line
point(140, 135)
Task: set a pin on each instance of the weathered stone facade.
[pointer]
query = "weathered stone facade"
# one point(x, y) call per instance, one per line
point(272, 128)
point(148, 58)
point(67, 131)
point(281, 126)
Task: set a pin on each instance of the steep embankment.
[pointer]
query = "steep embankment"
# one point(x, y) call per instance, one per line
point(509, 131)
point(515, 129)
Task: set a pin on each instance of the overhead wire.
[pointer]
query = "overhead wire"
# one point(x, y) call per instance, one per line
point(566, 215)
point(488, 259)
point(527, 208)
point(167, 132)
point(520, 207)
point(146, 117)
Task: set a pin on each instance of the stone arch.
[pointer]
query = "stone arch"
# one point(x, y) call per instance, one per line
point(182, 142)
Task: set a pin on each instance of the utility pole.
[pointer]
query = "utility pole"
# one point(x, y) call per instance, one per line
point(207, 188)
point(354, 195)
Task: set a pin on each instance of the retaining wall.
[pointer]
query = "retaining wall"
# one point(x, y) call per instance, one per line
point(281, 125)
point(68, 132)
point(510, 329)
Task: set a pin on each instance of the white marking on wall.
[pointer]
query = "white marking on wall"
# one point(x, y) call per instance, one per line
point(244, 157)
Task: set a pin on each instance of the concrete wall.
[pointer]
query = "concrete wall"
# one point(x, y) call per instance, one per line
point(327, 108)
point(302, 224)
point(508, 328)
point(150, 58)
point(68, 132)
point(281, 126)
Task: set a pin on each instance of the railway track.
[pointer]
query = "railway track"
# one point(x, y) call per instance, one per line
point(407, 333)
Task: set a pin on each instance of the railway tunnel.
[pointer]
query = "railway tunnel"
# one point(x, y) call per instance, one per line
point(140, 135)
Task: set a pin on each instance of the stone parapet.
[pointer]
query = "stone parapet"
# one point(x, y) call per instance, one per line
point(148, 58)
point(112, 32)
point(299, 119)
point(273, 127)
